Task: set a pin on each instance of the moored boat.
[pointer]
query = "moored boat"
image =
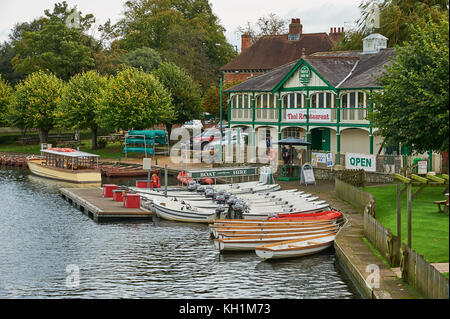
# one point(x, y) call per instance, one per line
point(295, 248)
point(325, 215)
point(251, 242)
point(176, 211)
point(66, 164)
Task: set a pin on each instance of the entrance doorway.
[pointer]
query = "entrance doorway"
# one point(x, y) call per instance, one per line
point(320, 139)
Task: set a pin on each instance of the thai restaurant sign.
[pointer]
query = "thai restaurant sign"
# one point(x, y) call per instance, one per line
point(315, 115)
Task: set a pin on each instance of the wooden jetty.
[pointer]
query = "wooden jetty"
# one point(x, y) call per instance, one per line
point(91, 202)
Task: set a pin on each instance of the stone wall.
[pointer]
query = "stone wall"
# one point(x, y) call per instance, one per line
point(328, 174)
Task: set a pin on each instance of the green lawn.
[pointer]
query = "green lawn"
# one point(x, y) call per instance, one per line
point(430, 229)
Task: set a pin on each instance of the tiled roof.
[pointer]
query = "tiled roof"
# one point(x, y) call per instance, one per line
point(349, 69)
point(272, 51)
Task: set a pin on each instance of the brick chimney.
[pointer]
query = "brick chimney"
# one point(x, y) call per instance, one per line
point(246, 42)
point(295, 29)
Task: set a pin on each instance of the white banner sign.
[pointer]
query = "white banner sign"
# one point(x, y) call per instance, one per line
point(315, 115)
point(361, 161)
point(422, 167)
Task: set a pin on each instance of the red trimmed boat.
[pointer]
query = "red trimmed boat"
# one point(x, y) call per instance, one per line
point(325, 215)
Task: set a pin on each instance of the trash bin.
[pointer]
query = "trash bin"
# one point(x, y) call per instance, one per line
point(108, 190)
point(132, 201)
point(117, 195)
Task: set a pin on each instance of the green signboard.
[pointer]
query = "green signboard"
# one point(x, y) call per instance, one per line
point(231, 172)
point(305, 75)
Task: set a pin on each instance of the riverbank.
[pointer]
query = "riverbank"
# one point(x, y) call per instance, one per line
point(352, 251)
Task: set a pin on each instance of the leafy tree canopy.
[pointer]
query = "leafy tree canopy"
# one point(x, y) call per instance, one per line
point(146, 58)
point(81, 97)
point(413, 106)
point(34, 102)
point(393, 16)
point(135, 99)
point(186, 98)
point(5, 94)
point(185, 32)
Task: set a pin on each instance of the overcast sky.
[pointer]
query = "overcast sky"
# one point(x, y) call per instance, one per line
point(316, 16)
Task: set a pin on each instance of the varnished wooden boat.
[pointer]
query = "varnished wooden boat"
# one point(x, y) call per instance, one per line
point(251, 242)
point(277, 231)
point(295, 248)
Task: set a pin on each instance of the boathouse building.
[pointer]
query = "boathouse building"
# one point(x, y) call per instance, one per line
point(324, 98)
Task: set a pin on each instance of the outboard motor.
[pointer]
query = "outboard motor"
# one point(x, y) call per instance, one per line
point(239, 207)
point(200, 188)
point(192, 186)
point(227, 195)
point(219, 193)
point(220, 198)
point(219, 210)
point(209, 192)
point(231, 201)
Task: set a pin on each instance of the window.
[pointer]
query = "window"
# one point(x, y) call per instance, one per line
point(362, 99)
point(258, 101)
point(291, 132)
point(291, 101)
point(352, 99)
point(313, 100)
point(300, 100)
point(321, 100)
point(285, 101)
point(344, 100)
point(245, 100)
point(239, 100)
point(272, 100)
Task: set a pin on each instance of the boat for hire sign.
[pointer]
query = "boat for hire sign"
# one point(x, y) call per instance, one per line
point(315, 115)
point(361, 161)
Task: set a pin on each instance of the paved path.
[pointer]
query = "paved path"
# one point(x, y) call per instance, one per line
point(350, 240)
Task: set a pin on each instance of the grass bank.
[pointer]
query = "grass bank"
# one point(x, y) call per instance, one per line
point(430, 229)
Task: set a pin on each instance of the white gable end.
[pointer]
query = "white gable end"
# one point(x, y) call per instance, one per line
point(294, 81)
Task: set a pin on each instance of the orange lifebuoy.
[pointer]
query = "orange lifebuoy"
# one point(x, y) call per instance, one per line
point(272, 154)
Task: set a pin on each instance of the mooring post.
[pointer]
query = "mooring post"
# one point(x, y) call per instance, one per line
point(165, 180)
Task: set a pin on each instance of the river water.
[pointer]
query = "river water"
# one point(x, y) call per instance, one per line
point(48, 249)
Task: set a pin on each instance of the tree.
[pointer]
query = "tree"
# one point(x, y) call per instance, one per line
point(185, 94)
point(55, 43)
point(185, 32)
point(412, 109)
point(146, 58)
point(265, 25)
point(5, 94)
point(134, 99)
point(34, 103)
point(211, 100)
point(81, 97)
point(393, 16)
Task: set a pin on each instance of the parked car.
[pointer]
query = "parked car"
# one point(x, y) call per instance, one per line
point(234, 139)
point(193, 124)
point(202, 139)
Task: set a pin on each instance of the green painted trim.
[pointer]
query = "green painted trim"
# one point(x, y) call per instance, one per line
point(317, 125)
point(307, 88)
point(294, 69)
point(253, 110)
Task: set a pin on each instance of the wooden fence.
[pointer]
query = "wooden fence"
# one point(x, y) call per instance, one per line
point(354, 195)
point(423, 276)
point(419, 273)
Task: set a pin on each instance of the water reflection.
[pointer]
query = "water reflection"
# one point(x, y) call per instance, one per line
point(40, 235)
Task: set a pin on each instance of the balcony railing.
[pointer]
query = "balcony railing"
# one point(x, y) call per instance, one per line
point(298, 115)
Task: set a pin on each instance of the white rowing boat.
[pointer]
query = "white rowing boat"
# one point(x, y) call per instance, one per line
point(295, 248)
point(172, 210)
point(250, 243)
